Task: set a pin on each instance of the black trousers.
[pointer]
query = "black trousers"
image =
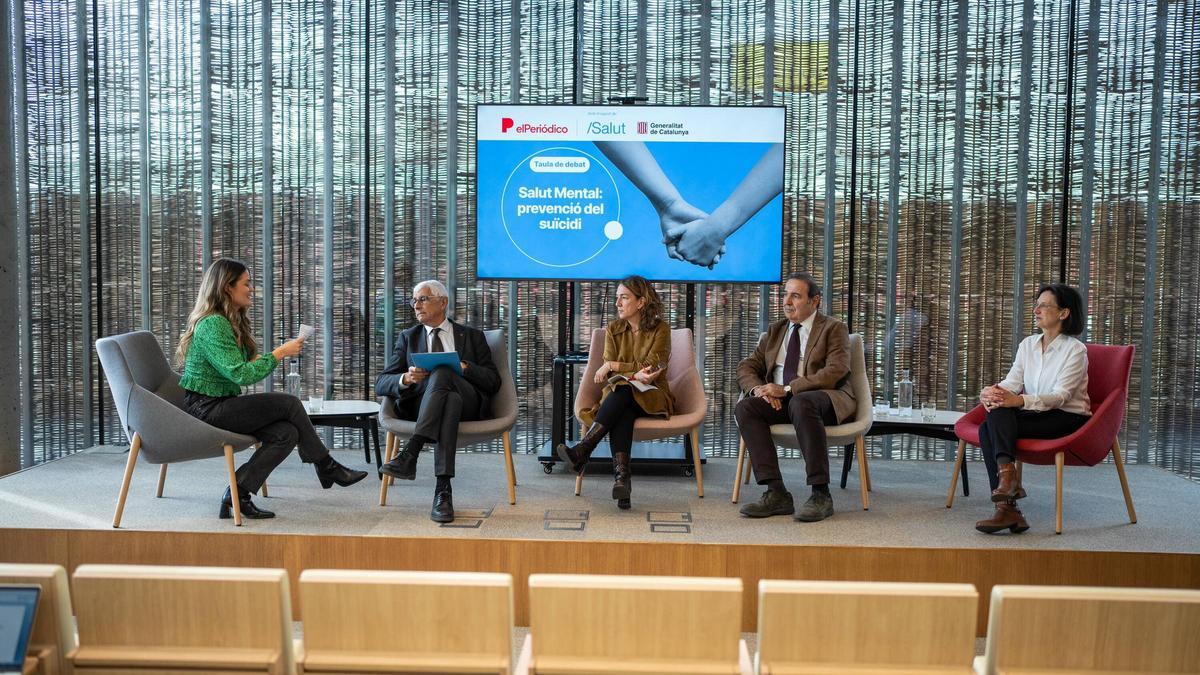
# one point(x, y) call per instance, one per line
point(808, 412)
point(277, 420)
point(448, 398)
point(618, 411)
point(999, 433)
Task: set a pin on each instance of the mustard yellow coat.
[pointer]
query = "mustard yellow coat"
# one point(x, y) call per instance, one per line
point(632, 353)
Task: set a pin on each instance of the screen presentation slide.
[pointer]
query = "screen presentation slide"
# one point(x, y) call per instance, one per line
point(602, 192)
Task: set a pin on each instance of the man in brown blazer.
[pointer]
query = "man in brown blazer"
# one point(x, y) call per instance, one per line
point(798, 374)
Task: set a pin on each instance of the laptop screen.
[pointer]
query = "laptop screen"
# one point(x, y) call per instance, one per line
point(17, 607)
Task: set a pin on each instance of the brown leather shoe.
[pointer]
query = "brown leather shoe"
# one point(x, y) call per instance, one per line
point(1007, 516)
point(1009, 487)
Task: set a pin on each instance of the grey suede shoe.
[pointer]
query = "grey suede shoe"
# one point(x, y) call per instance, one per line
point(818, 507)
point(770, 504)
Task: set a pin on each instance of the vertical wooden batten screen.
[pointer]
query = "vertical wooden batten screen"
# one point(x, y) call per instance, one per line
point(330, 146)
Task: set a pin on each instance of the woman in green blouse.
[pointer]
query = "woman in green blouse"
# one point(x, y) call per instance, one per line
point(219, 357)
point(637, 347)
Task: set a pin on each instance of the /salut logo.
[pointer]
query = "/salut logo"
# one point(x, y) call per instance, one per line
point(507, 124)
point(605, 128)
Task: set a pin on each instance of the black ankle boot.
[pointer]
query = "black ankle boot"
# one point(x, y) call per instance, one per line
point(621, 480)
point(577, 456)
point(329, 471)
point(245, 506)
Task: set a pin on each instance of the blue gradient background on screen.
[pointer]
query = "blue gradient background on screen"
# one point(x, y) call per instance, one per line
point(704, 173)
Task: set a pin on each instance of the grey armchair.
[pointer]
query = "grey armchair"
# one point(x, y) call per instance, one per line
point(504, 411)
point(853, 431)
point(150, 403)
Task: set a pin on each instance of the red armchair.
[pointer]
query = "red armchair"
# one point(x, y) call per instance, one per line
point(1108, 384)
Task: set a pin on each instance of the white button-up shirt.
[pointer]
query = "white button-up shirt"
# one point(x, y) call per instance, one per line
point(447, 336)
point(1054, 379)
point(805, 328)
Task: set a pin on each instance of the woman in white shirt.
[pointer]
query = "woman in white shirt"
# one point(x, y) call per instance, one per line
point(1043, 396)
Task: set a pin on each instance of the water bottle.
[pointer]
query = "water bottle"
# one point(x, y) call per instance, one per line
point(904, 393)
point(292, 379)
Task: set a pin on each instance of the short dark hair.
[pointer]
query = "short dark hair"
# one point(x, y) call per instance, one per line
point(814, 289)
point(1069, 299)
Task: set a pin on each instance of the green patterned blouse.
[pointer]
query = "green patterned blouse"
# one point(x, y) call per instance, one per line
point(216, 365)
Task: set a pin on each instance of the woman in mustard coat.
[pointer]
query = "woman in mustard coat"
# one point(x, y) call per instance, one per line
point(637, 347)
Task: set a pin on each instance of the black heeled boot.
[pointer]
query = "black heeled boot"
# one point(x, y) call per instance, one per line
point(245, 506)
point(329, 471)
point(621, 480)
point(577, 456)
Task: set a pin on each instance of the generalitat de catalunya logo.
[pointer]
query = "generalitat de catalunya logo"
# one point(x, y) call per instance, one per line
point(507, 124)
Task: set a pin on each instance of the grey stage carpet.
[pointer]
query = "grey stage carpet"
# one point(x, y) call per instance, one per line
point(907, 505)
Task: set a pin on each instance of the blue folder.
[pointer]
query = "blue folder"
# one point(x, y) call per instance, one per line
point(432, 360)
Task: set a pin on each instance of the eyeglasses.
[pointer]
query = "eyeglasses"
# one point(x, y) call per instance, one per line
point(1045, 307)
point(420, 299)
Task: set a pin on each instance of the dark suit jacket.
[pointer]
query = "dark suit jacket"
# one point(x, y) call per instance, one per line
point(826, 363)
point(472, 348)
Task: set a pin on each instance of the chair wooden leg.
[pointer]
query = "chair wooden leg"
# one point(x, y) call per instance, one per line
point(1120, 462)
point(958, 462)
point(508, 466)
point(695, 436)
point(746, 472)
point(864, 466)
point(737, 476)
point(233, 487)
point(162, 479)
point(1060, 459)
point(386, 480)
point(863, 476)
point(579, 482)
point(262, 489)
point(135, 446)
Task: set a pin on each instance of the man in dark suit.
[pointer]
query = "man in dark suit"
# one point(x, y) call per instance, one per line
point(438, 401)
point(798, 374)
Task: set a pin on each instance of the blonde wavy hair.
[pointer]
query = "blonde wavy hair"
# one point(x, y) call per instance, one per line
point(214, 299)
point(651, 312)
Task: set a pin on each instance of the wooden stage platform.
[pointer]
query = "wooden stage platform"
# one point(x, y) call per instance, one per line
point(61, 513)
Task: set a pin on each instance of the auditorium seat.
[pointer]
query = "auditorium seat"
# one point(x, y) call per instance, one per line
point(822, 627)
point(171, 620)
point(1060, 629)
point(634, 624)
point(1108, 385)
point(406, 622)
point(691, 405)
point(851, 432)
point(53, 635)
point(504, 416)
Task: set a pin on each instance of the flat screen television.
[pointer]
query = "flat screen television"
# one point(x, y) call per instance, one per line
point(673, 193)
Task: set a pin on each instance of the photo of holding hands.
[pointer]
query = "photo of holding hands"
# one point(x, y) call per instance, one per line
point(689, 233)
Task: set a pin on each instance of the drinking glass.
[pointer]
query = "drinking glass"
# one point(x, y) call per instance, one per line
point(928, 412)
point(316, 403)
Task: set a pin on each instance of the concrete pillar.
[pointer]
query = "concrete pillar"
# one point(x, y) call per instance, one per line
point(10, 381)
